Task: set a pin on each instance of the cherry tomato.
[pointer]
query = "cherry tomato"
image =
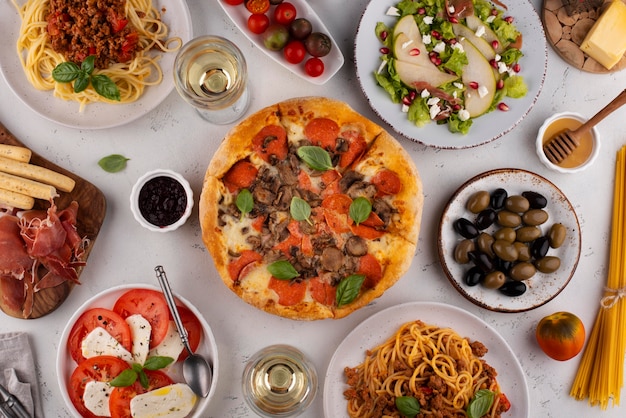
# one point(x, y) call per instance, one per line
point(112, 322)
point(314, 67)
point(99, 369)
point(294, 52)
point(151, 305)
point(257, 23)
point(285, 13)
point(119, 400)
point(258, 6)
point(275, 37)
point(561, 335)
point(233, 2)
point(193, 327)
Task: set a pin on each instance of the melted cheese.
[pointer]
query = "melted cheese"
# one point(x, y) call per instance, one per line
point(173, 401)
point(606, 41)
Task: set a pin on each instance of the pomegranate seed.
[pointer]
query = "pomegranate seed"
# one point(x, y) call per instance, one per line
point(435, 35)
point(432, 54)
point(500, 84)
point(412, 95)
point(407, 100)
point(503, 107)
point(421, 11)
point(435, 60)
point(384, 50)
point(414, 52)
point(508, 19)
point(473, 85)
point(494, 12)
point(383, 35)
point(517, 68)
point(456, 107)
point(495, 44)
point(453, 19)
point(494, 63)
point(453, 41)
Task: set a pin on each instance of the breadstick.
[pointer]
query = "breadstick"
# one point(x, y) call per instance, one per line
point(15, 152)
point(37, 173)
point(16, 200)
point(28, 187)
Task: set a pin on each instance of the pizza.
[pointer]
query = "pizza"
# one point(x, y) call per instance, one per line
point(310, 210)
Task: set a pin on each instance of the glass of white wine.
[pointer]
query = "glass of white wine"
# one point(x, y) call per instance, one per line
point(210, 73)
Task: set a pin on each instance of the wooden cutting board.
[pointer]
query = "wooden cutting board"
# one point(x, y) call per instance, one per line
point(91, 213)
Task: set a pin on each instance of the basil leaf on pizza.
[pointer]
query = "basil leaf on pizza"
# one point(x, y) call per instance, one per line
point(310, 210)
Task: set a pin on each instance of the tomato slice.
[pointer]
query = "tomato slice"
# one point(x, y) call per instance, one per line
point(258, 6)
point(99, 369)
point(151, 305)
point(119, 400)
point(193, 327)
point(111, 321)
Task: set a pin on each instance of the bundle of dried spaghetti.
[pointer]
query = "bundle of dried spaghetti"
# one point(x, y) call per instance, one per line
point(438, 368)
point(600, 373)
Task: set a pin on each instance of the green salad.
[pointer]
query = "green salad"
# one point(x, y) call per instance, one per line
point(449, 66)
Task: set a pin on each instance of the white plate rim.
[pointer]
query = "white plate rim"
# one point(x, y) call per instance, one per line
point(96, 115)
point(484, 129)
point(65, 364)
point(546, 286)
point(332, 62)
point(367, 335)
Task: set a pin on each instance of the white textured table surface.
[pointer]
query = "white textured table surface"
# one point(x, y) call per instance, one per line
point(173, 136)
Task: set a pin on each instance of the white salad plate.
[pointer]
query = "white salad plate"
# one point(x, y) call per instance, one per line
point(106, 299)
point(95, 115)
point(379, 327)
point(332, 62)
point(485, 128)
point(542, 287)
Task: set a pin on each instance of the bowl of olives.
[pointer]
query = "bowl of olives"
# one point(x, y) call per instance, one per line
point(509, 240)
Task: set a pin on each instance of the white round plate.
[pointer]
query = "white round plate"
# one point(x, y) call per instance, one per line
point(332, 62)
point(95, 115)
point(106, 299)
point(541, 287)
point(379, 327)
point(485, 128)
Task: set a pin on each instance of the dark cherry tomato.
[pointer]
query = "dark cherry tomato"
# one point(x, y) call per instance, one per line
point(300, 28)
point(294, 51)
point(285, 13)
point(258, 6)
point(233, 2)
point(258, 23)
point(318, 44)
point(275, 2)
point(314, 67)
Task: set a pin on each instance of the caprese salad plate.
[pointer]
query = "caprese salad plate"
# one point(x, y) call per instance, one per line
point(120, 353)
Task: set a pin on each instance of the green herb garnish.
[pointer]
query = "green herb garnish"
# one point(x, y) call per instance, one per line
point(129, 376)
point(360, 209)
point(66, 72)
point(481, 403)
point(113, 163)
point(244, 202)
point(300, 209)
point(348, 289)
point(315, 157)
point(282, 270)
point(408, 406)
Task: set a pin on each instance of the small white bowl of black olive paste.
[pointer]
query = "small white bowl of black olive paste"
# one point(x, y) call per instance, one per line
point(161, 200)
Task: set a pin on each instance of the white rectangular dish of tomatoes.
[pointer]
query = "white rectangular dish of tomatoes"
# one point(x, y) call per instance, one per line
point(315, 69)
point(120, 353)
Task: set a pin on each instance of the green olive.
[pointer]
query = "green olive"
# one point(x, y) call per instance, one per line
point(478, 202)
point(508, 218)
point(505, 250)
point(494, 280)
point(556, 235)
point(535, 217)
point(517, 204)
point(527, 233)
point(548, 264)
point(484, 242)
point(522, 271)
point(523, 251)
point(507, 234)
point(462, 249)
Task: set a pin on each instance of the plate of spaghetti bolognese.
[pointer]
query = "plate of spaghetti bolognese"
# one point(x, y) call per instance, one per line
point(136, 52)
point(445, 353)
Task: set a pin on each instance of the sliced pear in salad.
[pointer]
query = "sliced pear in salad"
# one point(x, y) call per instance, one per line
point(411, 50)
point(408, 26)
point(475, 24)
point(485, 48)
point(479, 80)
point(412, 75)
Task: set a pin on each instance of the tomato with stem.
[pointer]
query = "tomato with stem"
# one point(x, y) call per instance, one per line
point(285, 13)
point(314, 67)
point(258, 23)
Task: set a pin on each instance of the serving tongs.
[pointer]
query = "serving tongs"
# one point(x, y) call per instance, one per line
point(11, 406)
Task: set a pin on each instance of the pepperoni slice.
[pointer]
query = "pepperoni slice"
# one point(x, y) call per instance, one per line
point(339, 203)
point(322, 132)
point(373, 220)
point(322, 291)
point(271, 141)
point(236, 267)
point(289, 292)
point(304, 182)
point(387, 182)
point(356, 148)
point(366, 232)
point(241, 175)
point(371, 269)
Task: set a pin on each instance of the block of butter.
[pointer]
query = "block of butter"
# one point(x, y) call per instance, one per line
point(606, 41)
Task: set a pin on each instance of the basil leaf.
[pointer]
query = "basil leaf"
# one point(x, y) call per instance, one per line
point(157, 362)
point(137, 367)
point(87, 65)
point(300, 210)
point(360, 209)
point(408, 406)
point(105, 87)
point(65, 72)
point(143, 379)
point(348, 289)
point(315, 157)
point(244, 202)
point(126, 378)
point(481, 403)
point(282, 270)
point(113, 163)
point(81, 83)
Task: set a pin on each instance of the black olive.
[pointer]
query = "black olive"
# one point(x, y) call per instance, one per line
point(536, 200)
point(498, 198)
point(513, 288)
point(486, 218)
point(539, 248)
point(466, 228)
point(474, 276)
point(481, 260)
point(502, 265)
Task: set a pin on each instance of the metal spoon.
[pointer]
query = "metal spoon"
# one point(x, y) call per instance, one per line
point(196, 370)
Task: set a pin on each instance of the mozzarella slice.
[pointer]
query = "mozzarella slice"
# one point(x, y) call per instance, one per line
point(100, 343)
point(171, 346)
point(173, 401)
point(140, 330)
point(96, 398)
